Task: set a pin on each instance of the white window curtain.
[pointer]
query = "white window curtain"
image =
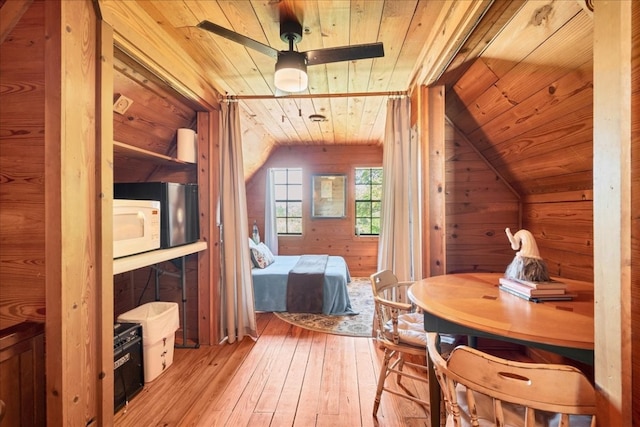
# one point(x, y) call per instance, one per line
point(400, 243)
point(270, 221)
point(236, 306)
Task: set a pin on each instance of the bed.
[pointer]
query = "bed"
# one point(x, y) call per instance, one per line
point(270, 285)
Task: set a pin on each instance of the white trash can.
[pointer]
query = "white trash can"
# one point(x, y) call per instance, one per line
point(160, 321)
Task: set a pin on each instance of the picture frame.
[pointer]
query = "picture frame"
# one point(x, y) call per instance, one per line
point(329, 194)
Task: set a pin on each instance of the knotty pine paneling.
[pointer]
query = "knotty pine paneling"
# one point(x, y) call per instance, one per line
point(564, 225)
point(564, 97)
point(22, 375)
point(553, 141)
point(570, 182)
point(496, 17)
point(131, 170)
point(321, 236)
point(150, 123)
point(479, 206)
point(635, 213)
point(568, 264)
point(475, 81)
point(527, 107)
point(136, 170)
point(184, 174)
point(531, 118)
point(545, 56)
point(564, 235)
point(22, 230)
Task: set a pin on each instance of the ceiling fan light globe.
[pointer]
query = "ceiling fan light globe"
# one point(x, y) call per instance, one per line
point(291, 72)
point(291, 80)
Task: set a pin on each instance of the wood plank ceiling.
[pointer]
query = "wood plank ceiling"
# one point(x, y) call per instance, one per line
point(420, 38)
point(517, 73)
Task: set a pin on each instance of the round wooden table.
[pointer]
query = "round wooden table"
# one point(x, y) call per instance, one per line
point(473, 301)
point(471, 304)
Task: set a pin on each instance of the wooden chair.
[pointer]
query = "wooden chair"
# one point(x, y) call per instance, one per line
point(481, 389)
point(400, 332)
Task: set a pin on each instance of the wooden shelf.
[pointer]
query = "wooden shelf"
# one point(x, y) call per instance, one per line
point(128, 263)
point(125, 150)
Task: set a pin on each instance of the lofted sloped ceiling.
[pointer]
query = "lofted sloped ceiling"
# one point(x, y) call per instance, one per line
point(526, 103)
point(420, 38)
point(518, 74)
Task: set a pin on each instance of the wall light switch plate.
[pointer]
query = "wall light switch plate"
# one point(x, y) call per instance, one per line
point(122, 104)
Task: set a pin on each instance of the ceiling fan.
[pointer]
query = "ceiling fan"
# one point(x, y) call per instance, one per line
point(291, 65)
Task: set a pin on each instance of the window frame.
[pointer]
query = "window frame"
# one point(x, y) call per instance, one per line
point(371, 201)
point(287, 201)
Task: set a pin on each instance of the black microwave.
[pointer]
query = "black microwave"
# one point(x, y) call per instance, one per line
point(179, 214)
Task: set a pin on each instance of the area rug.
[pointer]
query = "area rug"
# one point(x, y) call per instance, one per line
point(359, 325)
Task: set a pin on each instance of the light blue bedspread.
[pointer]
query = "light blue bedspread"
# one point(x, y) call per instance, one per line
point(270, 285)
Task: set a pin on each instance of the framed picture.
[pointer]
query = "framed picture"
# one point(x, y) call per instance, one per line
point(329, 196)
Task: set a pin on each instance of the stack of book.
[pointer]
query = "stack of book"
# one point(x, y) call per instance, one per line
point(536, 291)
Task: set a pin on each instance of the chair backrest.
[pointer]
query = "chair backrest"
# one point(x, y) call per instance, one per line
point(385, 285)
point(391, 301)
point(531, 391)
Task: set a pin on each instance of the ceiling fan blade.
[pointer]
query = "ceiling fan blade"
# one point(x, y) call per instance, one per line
point(346, 53)
point(238, 38)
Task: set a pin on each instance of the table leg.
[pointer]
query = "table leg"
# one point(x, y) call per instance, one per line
point(472, 341)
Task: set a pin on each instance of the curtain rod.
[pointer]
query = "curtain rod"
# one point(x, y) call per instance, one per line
point(318, 95)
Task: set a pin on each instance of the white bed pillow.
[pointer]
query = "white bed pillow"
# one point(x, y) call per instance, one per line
point(266, 251)
point(261, 256)
point(252, 244)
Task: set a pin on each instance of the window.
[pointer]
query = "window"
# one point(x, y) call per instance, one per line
point(287, 183)
point(368, 183)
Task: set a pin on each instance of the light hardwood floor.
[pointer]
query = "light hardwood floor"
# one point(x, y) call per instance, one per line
point(289, 376)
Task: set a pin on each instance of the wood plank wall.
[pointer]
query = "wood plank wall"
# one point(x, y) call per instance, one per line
point(615, 127)
point(564, 233)
point(22, 377)
point(321, 236)
point(150, 123)
point(53, 268)
point(635, 212)
point(427, 108)
point(76, 362)
point(479, 206)
point(532, 119)
point(22, 205)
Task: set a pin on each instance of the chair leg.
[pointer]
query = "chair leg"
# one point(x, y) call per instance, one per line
point(381, 378)
point(443, 411)
point(400, 367)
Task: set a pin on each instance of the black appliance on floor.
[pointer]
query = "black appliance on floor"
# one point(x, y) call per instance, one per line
point(128, 378)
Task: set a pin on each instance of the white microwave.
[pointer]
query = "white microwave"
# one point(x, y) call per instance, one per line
point(136, 226)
